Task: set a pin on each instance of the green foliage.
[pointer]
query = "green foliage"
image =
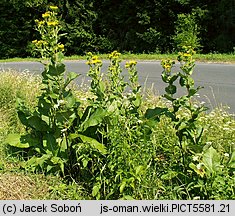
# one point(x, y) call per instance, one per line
point(116, 175)
point(129, 26)
point(187, 31)
point(51, 125)
point(115, 144)
point(189, 146)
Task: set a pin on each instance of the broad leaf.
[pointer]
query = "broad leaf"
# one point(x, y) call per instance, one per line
point(15, 141)
point(171, 89)
point(38, 124)
point(155, 113)
point(94, 143)
point(182, 81)
point(56, 70)
point(70, 100)
point(70, 77)
point(95, 118)
point(95, 190)
point(23, 118)
point(21, 141)
point(51, 143)
point(173, 78)
point(73, 136)
point(211, 160)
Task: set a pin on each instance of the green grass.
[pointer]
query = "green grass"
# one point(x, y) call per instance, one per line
point(223, 58)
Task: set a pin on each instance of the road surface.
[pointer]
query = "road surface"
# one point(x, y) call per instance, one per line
point(217, 79)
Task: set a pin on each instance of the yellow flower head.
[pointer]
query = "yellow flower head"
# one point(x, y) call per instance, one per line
point(187, 55)
point(130, 64)
point(61, 47)
point(53, 7)
point(40, 23)
point(114, 55)
point(95, 57)
point(167, 65)
point(97, 61)
point(35, 41)
point(53, 23)
point(94, 62)
point(46, 15)
point(41, 42)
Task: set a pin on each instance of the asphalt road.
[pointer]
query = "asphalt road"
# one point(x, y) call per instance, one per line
point(218, 80)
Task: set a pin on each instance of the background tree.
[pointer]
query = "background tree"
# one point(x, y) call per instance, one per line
point(124, 25)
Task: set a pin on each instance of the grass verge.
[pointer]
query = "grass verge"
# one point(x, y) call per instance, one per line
point(211, 57)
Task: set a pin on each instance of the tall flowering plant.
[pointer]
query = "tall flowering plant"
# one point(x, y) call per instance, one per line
point(49, 125)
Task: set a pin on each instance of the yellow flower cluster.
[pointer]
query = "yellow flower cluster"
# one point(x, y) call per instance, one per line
point(46, 15)
point(94, 60)
point(53, 23)
point(39, 23)
point(130, 64)
point(54, 8)
point(187, 53)
point(35, 41)
point(167, 65)
point(61, 47)
point(39, 42)
point(114, 55)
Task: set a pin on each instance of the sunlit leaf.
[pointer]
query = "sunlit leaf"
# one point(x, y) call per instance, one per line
point(211, 160)
point(15, 140)
point(94, 143)
point(95, 190)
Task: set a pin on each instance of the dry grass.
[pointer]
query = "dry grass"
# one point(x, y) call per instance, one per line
point(17, 186)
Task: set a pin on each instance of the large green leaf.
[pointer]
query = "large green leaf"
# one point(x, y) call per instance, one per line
point(173, 78)
point(38, 124)
point(51, 143)
point(21, 141)
point(15, 141)
point(70, 100)
point(169, 175)
point(94, 119)
point(155, 113)
point(56, 70)
point(94, 143)
point(95, 190)
point(70, 77)
point(23, 118)
point(211, 160)
point(64, 116)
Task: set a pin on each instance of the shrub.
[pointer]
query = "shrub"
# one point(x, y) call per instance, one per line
point(187, 31)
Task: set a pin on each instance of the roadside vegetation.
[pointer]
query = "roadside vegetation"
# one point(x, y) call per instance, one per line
point(207, 58)
point(112, 140)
